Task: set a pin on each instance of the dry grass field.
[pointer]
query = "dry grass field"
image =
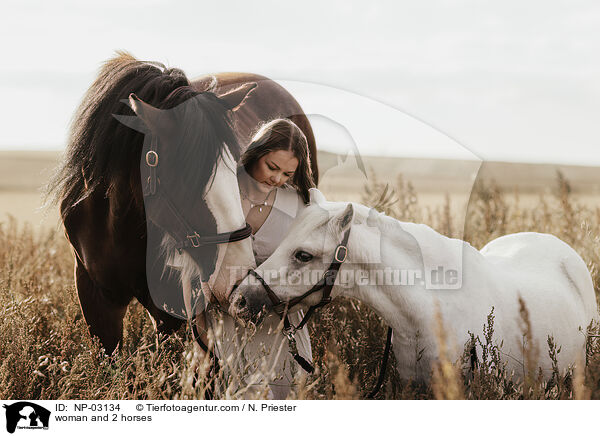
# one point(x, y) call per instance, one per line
point(46, 351)
point(22, 177)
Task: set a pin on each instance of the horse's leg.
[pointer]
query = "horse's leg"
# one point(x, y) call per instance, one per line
point(103, 316)
point(161, 289)
point(210, 374)
point(164, 323)
point(167, 324)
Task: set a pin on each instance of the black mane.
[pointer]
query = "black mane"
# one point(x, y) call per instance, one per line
point(103, 155)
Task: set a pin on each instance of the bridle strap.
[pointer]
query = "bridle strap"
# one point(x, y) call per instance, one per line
point(326, 285)
point(152, 163)
point(196, 240)
point(196, 336)
point(215, 362)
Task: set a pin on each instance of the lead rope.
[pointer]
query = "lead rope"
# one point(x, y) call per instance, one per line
point(293, 347)
point(197, 337)
point(386, 355)
point(306, 366)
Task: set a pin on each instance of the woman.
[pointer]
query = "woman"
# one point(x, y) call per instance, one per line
point(274, 180)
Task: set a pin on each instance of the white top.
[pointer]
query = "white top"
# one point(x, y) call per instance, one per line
point(285, 207)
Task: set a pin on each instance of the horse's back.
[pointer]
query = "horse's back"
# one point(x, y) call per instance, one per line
point(547, 264)
point(526, 244)
point(531, 252)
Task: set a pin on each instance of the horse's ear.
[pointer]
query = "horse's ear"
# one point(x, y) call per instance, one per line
point(234, 99)
point(316, 196)
point(132, 122)
point(151, 116)
point(346, 218)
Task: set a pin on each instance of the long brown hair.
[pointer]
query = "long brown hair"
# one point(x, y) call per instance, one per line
point(282, 134)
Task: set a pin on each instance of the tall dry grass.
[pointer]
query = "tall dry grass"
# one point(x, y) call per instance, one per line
point(47, 353)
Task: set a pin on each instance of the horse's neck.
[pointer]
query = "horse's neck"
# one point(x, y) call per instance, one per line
point(380, 241)
point(405, 263)
point(382, 250)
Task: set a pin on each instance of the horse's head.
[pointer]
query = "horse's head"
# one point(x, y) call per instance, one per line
point(188, 175)
point(298, 263)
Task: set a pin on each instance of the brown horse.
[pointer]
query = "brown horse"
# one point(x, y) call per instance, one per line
point(100, 184)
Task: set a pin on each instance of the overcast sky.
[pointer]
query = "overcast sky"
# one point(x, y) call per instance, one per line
point(506, 80)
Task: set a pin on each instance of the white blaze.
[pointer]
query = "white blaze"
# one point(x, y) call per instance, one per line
point(223, 200)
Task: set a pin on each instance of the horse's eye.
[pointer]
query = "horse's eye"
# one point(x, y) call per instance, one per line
point(303, 256)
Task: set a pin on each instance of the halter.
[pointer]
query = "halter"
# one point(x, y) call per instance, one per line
point(326, 283)
point(185, 236)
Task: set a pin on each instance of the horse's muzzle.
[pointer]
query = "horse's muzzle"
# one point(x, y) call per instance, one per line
point(248, 304)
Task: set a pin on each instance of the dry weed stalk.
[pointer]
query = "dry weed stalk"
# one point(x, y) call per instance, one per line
point(530, 353)
point(580, 390)
point(342, 386)
point(447, 381)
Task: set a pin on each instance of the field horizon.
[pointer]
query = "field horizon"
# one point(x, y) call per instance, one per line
point(23, 174)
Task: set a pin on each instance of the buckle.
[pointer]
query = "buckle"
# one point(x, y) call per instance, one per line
point(194, 240)
point(337, 253)
point(290, 333)
point(152, 158)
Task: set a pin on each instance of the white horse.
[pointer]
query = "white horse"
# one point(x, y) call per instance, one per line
point(408, 274)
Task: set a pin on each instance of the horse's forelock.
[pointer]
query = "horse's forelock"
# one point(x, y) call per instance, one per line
point(312, 220)
point(203, 130)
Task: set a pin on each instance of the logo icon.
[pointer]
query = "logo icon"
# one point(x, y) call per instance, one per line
point(26, 415)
